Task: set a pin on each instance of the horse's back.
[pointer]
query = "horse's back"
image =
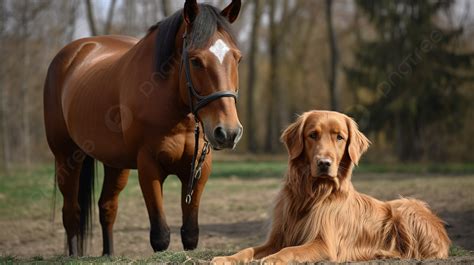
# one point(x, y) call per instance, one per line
point(65, 75)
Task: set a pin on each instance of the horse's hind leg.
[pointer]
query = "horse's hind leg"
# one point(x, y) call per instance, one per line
point(115, 181)
point(190, 227)
point(68, 169)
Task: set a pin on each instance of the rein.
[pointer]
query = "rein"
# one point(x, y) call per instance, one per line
point(201, 101)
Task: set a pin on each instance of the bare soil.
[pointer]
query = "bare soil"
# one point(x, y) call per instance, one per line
point(235, 214)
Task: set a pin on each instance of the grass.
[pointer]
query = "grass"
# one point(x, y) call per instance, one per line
point(168, 257)
point(28, 194)
point(23, 192)
point(165, 257)
point(253, 169)
point(456, 251)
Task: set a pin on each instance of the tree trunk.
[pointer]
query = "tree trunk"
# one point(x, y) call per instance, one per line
point(24, 86)
point(91, 18)
point(334, 53)
point(6, 151)
point(130, 10)
point(252, 74)
point(166, 8)
point(110, 17)
point(274, 97)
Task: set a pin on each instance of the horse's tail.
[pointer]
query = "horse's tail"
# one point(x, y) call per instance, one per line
point(86, 200)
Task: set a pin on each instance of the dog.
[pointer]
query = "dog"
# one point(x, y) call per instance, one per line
point(319, 215)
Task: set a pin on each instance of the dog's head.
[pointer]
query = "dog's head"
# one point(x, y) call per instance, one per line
point(328, 142)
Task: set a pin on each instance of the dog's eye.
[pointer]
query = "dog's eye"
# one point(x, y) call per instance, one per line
point(313, 135)
point(339, 137)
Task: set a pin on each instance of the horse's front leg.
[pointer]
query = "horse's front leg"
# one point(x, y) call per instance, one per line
point(190, 227)
point(151, 179)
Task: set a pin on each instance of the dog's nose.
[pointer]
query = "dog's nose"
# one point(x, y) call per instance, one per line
point(324, 164)
point(227, 137)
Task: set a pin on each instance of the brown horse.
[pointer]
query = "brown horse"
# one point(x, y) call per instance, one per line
point(140, 104)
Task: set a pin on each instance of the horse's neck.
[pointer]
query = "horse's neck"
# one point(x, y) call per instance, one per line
point(150, 86)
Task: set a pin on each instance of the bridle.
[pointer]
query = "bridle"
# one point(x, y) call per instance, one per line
point(201, 101)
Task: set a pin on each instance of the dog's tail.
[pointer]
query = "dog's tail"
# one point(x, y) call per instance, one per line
point(398, 239)
point(418, 233)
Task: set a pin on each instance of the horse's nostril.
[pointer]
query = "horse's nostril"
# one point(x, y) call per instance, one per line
point(220, 135)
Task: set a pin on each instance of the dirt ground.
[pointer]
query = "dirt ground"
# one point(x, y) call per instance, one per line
point(234, 214)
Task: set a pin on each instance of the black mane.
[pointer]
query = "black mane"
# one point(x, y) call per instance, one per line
point(208, 21)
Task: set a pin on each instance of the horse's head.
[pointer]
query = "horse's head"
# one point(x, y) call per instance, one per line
point(210, 66)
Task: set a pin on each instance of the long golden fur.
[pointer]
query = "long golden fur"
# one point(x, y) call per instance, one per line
point(320, 216)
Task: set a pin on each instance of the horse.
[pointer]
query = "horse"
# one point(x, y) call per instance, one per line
point(141, 104)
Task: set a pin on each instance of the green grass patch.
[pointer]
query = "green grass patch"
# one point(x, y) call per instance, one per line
point(249, 169)
point(29, 192)
point(456, 251)
point(165, 257)
point(186, 257)
point(417, 168)
point(24, 192)
point(256, 169)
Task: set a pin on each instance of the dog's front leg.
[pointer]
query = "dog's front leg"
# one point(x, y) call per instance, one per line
point(245, 255)
point(311, 252)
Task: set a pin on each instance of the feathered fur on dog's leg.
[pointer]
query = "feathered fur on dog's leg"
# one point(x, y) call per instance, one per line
point(246, 255)
point(255, 253)
point(311, 252)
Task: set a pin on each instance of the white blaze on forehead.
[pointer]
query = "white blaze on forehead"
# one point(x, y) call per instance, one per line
point(219, 49)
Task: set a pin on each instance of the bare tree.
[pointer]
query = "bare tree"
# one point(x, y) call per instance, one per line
point(277, 113)
point(91, 18)
point(252, 74)
point(130, 13)
point(28, 12)
point(24, 21)
point(6, 153)
point(272, 99)
point(71, 19)
point(92, 21)
point(334, 54)
point(166, 8)
point(110, 17)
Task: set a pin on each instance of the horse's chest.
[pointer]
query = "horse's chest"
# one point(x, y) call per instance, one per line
point(174, 154)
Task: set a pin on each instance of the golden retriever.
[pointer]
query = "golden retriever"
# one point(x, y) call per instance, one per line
point(320, 216)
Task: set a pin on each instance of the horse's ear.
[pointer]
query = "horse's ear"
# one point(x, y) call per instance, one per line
point(231, 12)
point(293, 137)
point(190, 11)
point(358, 143)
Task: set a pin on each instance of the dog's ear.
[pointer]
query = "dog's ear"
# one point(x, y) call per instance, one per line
point(293, 139)
point(358, 143)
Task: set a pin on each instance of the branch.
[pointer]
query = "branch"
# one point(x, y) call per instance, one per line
point(90, 17)
point(165, 5)
point(110, 17)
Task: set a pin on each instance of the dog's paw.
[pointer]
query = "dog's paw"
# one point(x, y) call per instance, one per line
point(272, 260)
point(225, 260)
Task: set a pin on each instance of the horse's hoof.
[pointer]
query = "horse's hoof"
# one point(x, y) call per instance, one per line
point(189, 238)
point(160, 240)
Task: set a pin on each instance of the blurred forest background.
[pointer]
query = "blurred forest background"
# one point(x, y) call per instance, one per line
point(404, 69)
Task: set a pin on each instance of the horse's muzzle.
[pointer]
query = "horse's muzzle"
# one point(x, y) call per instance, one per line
point(225, 138)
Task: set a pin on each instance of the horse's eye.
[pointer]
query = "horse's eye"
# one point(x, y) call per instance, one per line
point(196, 62)
point(339, 137)
point(313, 135)
point(239, 60)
